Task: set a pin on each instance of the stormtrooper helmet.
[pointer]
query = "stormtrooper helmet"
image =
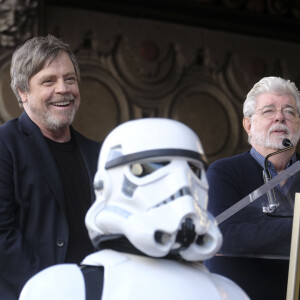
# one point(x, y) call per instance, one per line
point(151, 188)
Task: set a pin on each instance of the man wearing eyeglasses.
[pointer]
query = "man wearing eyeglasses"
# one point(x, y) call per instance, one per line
point(271, 115)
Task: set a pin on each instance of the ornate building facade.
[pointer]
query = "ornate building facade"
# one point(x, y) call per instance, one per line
point(138, 65)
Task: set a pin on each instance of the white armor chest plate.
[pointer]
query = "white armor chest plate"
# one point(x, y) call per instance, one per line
point(132, 277)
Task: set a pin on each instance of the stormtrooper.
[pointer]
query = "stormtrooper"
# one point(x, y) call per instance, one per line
point(149, 223)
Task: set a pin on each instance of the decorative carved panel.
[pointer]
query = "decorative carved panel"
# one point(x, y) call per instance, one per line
point(18, 22)
point(9, 107)
point(104, 103)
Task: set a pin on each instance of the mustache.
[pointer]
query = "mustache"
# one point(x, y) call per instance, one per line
point(62, 99)
point(280, 127)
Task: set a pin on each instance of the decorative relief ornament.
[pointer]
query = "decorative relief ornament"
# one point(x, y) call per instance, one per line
point(17, 18)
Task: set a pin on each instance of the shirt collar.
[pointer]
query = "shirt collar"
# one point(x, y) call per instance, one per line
point(261, 160)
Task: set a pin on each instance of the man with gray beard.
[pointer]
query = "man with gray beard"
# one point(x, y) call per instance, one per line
point(271, 114)
point(46, 167)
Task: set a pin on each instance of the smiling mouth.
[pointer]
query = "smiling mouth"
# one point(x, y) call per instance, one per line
point(61, 104)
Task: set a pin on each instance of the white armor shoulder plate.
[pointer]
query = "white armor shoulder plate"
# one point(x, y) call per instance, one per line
point(59, 282)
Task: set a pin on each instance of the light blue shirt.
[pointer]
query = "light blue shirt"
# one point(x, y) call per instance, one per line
point(261, 160)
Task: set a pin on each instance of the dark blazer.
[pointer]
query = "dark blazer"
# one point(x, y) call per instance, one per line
point(33, 227)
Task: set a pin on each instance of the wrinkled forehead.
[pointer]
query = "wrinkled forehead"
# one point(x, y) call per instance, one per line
point(267, 99)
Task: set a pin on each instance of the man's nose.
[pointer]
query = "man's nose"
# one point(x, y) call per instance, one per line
point(279, 116)
point(62, 87)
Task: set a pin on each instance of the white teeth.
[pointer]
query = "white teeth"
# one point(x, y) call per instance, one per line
point(62, 103)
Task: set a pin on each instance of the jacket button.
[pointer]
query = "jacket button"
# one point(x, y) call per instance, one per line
point(60, 243)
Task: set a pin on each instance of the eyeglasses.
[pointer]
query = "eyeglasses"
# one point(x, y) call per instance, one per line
point(289, 112)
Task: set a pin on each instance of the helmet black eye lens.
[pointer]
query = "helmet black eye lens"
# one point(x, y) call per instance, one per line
point(196, 169)
point(142, 169)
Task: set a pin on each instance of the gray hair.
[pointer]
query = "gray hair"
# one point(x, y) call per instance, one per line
point(271, 84)
point(32, 56)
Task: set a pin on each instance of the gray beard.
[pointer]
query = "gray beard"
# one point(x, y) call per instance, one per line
point(54, 123)
point(275, 143)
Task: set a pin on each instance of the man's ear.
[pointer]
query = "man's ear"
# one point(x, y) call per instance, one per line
point(247, 124)
point(23, 96)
